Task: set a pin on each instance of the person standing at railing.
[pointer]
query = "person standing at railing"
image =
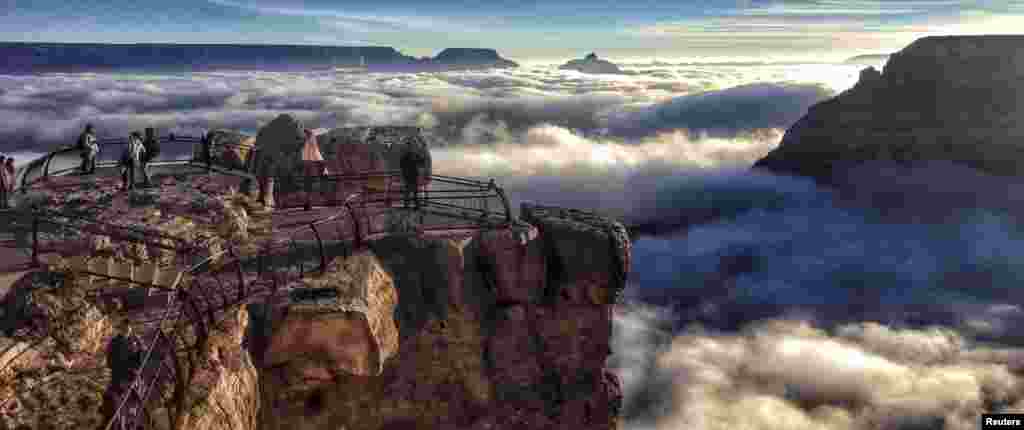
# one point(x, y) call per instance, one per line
point(133, 153)
point(411, 163)
point(90, 149)
point(152, 150)
point(12, 178)
point(4, 181)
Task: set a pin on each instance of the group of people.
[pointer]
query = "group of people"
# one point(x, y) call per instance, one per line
point(139, 152)
point(7, 180)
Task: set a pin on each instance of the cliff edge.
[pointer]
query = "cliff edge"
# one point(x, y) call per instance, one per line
point(954, 98)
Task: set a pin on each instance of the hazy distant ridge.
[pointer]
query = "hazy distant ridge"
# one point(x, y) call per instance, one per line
point(74, 57)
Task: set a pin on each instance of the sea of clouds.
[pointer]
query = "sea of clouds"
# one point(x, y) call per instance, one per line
point(893, 304)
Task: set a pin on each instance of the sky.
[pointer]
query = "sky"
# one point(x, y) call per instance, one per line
point(523, 29)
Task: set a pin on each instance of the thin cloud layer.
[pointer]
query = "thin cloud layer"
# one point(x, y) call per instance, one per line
point(467, 108)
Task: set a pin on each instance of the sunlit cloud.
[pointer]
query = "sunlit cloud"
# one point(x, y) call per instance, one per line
point(790, 374)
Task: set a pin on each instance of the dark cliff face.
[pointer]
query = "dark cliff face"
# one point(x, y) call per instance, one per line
point(939, 99)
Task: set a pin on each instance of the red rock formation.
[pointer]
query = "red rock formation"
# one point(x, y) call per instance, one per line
point(508, 329)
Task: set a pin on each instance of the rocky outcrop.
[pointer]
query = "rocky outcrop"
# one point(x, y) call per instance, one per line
point(505, 329)
point(279, 145)
point(471, 58)
point(230, 149)
point(939, 99)
point(592, 64)
point(49, 375)
point(221, 389)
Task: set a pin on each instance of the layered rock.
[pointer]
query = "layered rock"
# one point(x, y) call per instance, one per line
point(338, 327)
point(951, 98)
point(49, 373)
point(592, 64)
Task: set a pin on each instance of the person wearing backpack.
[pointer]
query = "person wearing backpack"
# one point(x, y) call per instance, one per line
point(151, 146)
point(90, 149)
point(4, 180)
point(411, 164)
point(131, 157)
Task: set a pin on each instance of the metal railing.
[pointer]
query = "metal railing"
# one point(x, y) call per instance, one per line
point(443, 195)
point(218, 286)
point(84, 227)
point(202, 152)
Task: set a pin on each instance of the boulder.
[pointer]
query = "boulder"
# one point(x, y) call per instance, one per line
point(339, 323)
point(231, 149)
point(279, 145)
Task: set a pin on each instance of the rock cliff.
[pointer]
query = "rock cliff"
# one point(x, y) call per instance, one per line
point(592, 64)
point(504, 329)
point(951, 98)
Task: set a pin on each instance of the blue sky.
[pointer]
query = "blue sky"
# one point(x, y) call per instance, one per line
point(526, 29)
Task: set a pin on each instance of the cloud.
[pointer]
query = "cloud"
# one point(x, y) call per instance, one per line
point(790, 374)
point(761, 106)
point(460, 108)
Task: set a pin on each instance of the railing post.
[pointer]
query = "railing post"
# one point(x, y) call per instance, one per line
point(355, 226)
point(323, 257)
point(309, 190)
point(208, 153)
point(504, 202)
point(46, 166)
point(35, 240)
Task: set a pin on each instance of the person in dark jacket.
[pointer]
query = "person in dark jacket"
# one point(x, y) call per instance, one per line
point(11, 175)
point(124, 357)
point(152, 147)
point(90, 149)
point(4, 180)
point(411, 164)
point(133, 154)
